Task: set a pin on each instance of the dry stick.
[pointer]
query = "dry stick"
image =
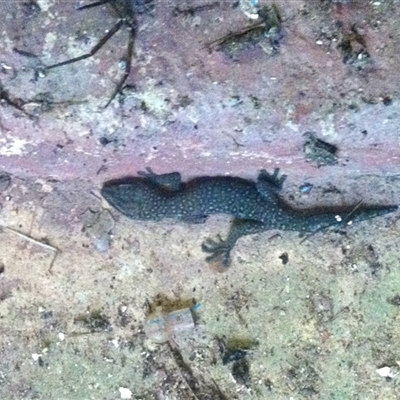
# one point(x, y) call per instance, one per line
point(177, 357)
point(231, 35)
point(352, 211)
point(37, 242)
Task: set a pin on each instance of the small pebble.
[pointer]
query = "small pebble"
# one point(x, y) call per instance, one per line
point(306, 188)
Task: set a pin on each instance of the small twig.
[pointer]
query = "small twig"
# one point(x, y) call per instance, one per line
point(183, 369)
point(15, 102)
point(37, 242)
point(346, 218)
point(354, 209)
point(232, 35)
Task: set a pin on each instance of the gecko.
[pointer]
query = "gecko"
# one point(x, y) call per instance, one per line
point(255, 206)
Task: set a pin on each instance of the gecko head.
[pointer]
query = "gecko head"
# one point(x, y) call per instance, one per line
point(132, 198)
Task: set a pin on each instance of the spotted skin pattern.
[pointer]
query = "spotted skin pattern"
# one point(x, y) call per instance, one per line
point(255, 206)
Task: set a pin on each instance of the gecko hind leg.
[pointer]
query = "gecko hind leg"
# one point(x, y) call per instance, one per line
point(220, 249)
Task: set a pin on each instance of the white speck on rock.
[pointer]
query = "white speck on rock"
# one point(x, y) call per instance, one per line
point(13, 147)
point(45, 4)
point(36, 356)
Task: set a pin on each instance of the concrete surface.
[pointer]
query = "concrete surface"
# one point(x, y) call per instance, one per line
point(78, 280)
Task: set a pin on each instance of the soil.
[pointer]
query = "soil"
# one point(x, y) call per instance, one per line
point(312, 92)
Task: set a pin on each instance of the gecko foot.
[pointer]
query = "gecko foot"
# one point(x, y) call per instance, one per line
point(219, 251)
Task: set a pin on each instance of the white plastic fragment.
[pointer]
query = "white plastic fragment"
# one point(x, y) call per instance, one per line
point(249, 8)
point(385, 372)
point(125, 393)
point(161, 326)
point(5, 66)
